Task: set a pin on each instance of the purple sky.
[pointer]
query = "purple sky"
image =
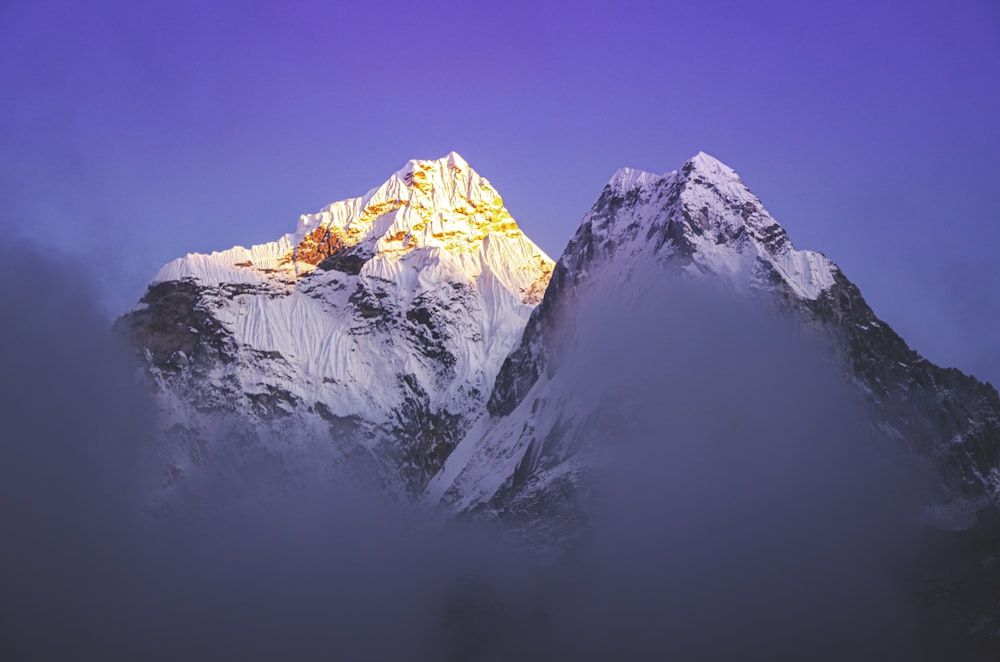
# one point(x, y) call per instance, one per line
point(135, 132)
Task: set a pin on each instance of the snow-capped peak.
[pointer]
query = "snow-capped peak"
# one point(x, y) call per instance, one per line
point(734, 235)
point(700, 166)
point(428, 211)
point(706, 216)
point(382, 320)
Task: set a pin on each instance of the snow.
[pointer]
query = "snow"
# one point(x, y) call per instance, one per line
point(731, 237)
point(720, 209)
point(425, 204)
point(447, 273)
point(439, 237)
point(627, 179)
point(435, 236)
point(709, 166)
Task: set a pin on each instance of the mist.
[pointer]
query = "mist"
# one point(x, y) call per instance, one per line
point(747, 508)
point(745, 511)
point(233, 568)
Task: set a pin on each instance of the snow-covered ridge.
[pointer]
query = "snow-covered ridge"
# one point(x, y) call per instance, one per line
point(717, 188)
point(441, 204)
point(627, 179)
point(708, 213)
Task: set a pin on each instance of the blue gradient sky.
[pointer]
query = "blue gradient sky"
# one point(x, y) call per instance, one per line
point(134, 132)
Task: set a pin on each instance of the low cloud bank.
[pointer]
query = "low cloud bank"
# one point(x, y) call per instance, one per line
point(746, 513)
point(749, 510)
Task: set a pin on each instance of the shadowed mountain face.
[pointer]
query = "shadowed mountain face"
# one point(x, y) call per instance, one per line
point(649, 234)
point(711, 383)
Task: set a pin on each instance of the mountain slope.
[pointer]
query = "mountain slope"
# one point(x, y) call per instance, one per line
point(532, 454)
point(370, 336)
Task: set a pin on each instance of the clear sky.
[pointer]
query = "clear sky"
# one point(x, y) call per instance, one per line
point(133, 132)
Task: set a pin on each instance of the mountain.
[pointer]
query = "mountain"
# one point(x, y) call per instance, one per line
point(369, 338)
point(533, 453)
point(391, 332)
point(415, 339)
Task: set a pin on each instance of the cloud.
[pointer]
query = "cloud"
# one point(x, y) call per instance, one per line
point(748, 509)
point(237, 569)
point(743, 513)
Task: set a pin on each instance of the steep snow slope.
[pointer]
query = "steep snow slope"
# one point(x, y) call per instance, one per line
point(372, 334)
point(531, 454)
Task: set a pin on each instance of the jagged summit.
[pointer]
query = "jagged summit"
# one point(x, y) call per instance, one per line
point(627, 179)
point(704, 216)
point(700, 166)
point(451, 161)
point(427, 212)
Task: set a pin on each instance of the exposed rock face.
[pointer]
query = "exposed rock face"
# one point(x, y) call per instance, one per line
point(369, 338)
point(947, 416)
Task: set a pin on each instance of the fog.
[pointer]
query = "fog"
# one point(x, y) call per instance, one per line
point(746, 512)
